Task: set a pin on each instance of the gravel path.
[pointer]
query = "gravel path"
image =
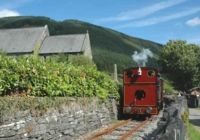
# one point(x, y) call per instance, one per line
point(194, 117)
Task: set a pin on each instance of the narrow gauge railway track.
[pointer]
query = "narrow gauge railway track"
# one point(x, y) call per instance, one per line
point(119, 131)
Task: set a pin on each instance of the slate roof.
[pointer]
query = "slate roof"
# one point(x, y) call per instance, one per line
point(21, 40)
point(193, 89)
point(63, 44)
point(37, 39)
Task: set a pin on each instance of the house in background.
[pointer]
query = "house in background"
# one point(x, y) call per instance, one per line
point(67, 44)
point(22, 41)
point(36, 40)
point(193, 97)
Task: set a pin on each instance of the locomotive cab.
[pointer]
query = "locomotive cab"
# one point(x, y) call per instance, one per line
point(142, 93)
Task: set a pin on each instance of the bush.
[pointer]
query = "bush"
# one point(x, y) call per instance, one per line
point(77, 60)
point(185, 117)
point(80, 60)
point(180, 61)
point(37, 77)
point(168, 87)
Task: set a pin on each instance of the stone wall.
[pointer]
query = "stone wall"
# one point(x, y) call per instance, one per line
point(171, 126)
point(175, 128)
point(68, 122)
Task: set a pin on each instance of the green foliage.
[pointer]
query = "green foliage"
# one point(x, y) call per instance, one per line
point(185, 116)
point(118, 46)
point(168, 87)
point(76, 60)
point(108, 59)
point(193, 133)
point(36, 77)
point(80, 60)
point(181, 63)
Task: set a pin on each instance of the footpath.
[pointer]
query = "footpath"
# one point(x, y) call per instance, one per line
point(194, 117)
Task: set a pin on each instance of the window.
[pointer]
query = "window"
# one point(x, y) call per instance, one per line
point(151, 73)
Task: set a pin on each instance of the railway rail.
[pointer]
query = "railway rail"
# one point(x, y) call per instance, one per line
point(122, 130)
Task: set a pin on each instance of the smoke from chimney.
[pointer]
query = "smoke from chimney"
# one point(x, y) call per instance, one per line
point(142, 58)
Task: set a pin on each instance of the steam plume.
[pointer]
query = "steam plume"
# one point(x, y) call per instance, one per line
point(142, 57)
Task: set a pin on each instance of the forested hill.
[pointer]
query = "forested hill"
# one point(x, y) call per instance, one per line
point(108, 46)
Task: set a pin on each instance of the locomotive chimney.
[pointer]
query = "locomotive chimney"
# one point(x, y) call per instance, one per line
point(139, 71)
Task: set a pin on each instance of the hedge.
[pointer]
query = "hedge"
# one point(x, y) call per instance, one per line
point(38, 77)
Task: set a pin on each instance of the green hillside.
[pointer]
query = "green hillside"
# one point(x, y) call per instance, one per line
point(108, 46)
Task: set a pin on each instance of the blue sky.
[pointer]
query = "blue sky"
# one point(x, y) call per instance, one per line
point(156, 20)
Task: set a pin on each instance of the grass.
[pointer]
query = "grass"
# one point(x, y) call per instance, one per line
point(193, 133)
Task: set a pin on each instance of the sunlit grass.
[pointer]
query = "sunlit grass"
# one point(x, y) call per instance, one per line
point(193, 133)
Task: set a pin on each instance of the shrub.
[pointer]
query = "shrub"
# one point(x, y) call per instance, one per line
point(168, 87)
point(80, 60)
point(37, 77)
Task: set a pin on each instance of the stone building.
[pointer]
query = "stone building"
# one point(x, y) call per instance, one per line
point(67, 44)
point(22, 41)
point(195, 91)
point(193, 97)
point(36, 40)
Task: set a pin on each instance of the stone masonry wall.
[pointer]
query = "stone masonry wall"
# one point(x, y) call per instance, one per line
point(68, 122)
point(171, 126)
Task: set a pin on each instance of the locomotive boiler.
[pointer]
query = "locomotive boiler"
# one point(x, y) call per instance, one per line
point(142, 91)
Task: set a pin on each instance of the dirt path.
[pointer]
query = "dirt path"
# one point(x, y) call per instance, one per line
point(194, 117)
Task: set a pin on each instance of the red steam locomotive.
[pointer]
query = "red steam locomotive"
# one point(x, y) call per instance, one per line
point(143, 91)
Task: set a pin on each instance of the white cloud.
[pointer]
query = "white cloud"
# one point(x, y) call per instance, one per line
point(5, 7)
point(193, 22)
point(143, 12)
point(8, 13)
point(156, 20)
point(13, 4)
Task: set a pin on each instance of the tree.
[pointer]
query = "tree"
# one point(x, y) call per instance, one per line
point(179, 61)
